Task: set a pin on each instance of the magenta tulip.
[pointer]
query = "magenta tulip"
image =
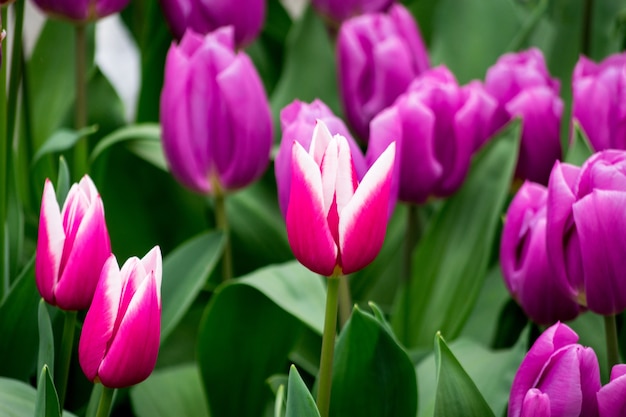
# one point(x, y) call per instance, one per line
point(437, 125)
point(81, 10)
point(216, 121)
point(298, 121)
point(245, 16)
point(333, 221)
point(524, 259)
point(339, 10)
point(378, 56)
point(557, 378)
point(612, 396)
point(599, 95)
point(72, 246)
point(586, 231)
point(119, 343)
point(522, 85)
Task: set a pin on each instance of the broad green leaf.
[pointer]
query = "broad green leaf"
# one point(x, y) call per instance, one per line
point(18, 323)
point(18, 399)
point(185, 272)
point(62, 140)
point(372, 374)
point(450, 261)
point(45, 358)
point(580, 150)
point(174, 391)
point(47, 399)
point(300, 402)
point(131, 134)
point(457, 395)
point(248, 330)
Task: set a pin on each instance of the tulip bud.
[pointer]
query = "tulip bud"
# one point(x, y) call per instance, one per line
point(339, 10)
point(298, 121)
point(81, 10)
point(586, 230)
point(557, 378)
point(72, 246)
point(378, 56)
point(524, 259)
point(521, 84)
point(437, 125)
point(217, 127)
point(599, 95)
point(119, 342)
point(333, 220)
point(612, 396)
point(246, 17)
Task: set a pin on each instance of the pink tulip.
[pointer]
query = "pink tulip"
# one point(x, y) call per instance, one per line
point(119, 342)
point(612, 396)
point(72, 246)
point(333, 221)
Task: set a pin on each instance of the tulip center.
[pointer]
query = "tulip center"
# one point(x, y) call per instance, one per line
point(333, 224)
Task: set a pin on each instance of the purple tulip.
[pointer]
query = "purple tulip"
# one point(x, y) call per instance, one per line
point(72, 246)
point(298, 121)
point(557, 378)
point(119, 342)
point(378, 56)
point(437, 125)
point(333, 220)
point(586, 230)
point(524, 259)
point(600, 100)
point(246, 16)
point(217, 127)
point(612, 396)
point(339, 10)
point(81, 10)
point(521, 84)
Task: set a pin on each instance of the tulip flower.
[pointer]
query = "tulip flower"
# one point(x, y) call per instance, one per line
point(217, 127)
point(612, 396)
point(521, 84)
point(378, 56)
point(599, 96)
point(72, 246)
point(298, 121)
point(81, 10)
point(437, 125)
point(339, 10)
point(119, 342)
point(333, 221)
point(524, 259)
point(557, 378)
point(246, 17)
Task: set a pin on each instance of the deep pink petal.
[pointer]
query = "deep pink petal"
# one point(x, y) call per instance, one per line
point(536, 404)
point(561, 381)
point(612, 398)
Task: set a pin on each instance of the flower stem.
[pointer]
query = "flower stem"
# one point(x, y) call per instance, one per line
point(66, 355)
point(106, 399)
point(412, 232)
point(585, 45)
point(345, 300)
point(612, 348)
point(16, 69)
point(81, 165)
point(221, 220)
point(328, 346)
point(4, 146)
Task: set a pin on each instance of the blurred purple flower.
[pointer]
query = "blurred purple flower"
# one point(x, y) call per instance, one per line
point(339, 10)
point(81, 10)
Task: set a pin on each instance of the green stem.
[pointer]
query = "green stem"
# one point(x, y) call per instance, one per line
point(81, 165)
point(412, 232)
point(106, 399)
point(612, 348)
point(16, 69)
point(4, 146)
point(345, 300)
point(65, 358)
point(585, 45)
point(328, 345)
point(221, 220)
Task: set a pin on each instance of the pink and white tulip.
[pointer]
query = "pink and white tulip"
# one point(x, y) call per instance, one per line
point(333, 221)
point(72, 246)
point(119, 343)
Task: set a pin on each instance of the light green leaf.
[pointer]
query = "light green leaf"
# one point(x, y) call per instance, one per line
point(63, 184)
point(300, 402)
point(580, 149)
point(47, 399)
point(61, 140)
point(142, 139)
point(18, 399)
point(279, 405)
point(45, 358)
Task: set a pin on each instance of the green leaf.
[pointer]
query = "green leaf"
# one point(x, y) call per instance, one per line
point(279, 405)
point(450, 261)
point(61, 140)
point(372, 374)
point(45, 358)
point(300, 402)
point(62, 185)
point(185, 272)
point(47, 399)
point(174, 391)
point(18, 399)
point(580, 149)
point(457, 394)
point(143, 139)
point(248, 330)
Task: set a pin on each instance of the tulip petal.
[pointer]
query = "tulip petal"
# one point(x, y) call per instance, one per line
point(100, 320)
point(307, 228)
point(363, 221)
point(612, 398)
point(536, 404)
point(50, 241)
point(561, 381)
